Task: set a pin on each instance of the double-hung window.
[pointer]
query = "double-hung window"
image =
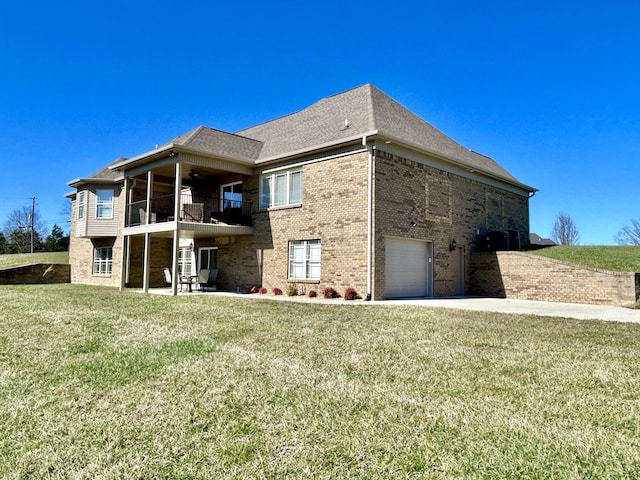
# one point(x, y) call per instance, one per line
point(82, 202)
point(102, 260)
point(104, 203)
point(281, 188)
point(304, 260)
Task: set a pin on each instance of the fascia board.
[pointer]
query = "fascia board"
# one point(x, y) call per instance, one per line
point(322, 146)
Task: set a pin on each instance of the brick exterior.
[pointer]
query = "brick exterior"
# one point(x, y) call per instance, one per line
point(81, 251)
point(444, 207)
point(334, 211)
point(531, 277)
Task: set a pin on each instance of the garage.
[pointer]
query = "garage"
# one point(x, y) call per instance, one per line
point(408, 268)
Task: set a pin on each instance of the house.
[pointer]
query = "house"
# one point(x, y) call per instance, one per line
point(352, 191)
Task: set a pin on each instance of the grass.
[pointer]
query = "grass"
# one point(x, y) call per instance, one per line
point(95, 383)
point(617, 259)
point(20, 259)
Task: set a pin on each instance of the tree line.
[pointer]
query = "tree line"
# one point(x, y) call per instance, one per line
point(24, 232)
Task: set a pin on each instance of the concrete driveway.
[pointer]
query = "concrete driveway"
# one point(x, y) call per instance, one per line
point(533, 307)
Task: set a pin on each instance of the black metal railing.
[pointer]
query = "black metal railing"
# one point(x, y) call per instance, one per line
point(195, 208)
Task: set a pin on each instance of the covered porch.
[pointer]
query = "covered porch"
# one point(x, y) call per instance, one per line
point(173, 199)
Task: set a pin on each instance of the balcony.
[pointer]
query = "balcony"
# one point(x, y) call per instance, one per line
point(194, 209)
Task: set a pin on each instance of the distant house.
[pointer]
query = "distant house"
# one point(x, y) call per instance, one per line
point(536, 241)
point(353, 191)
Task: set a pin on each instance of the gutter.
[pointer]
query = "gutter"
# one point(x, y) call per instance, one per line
point(369, 217)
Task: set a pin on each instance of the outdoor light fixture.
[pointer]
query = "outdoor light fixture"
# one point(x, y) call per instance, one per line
point(452, 245)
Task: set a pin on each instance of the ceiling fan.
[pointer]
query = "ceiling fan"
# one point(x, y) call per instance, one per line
point(195, 175)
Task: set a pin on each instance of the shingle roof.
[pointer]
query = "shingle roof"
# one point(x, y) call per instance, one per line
point(321, 123)
point(367, 110)
point(220, 143)
point(105, 174)
point(344, 117)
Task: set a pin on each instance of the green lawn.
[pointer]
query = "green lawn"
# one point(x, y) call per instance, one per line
point(95, 383)
point(617, 259)
point(20, 259)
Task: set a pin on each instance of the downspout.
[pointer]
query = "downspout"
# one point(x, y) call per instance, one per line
point(369, 217)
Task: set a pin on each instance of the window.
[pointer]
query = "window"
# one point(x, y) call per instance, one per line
point(281, 188)
point(185, 262)
point(102, 260)
point(208, 258)
point(104, 204)
point(304, 260)
point(82, 201)
point(231, 195)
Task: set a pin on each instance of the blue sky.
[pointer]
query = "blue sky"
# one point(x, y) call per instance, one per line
point(549, 89)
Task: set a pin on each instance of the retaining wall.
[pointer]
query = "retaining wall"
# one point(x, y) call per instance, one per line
point(531, 277)
point(36, 273)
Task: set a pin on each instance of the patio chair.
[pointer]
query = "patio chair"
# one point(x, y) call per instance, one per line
point(208, 285)
point(203, 277)
point(183, 280)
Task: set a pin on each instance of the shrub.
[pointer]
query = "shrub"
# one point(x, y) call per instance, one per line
point(313, 294)
point(292, 290)
point(330, 292)
point(276, 291)
point(262, 290)
point(351, 294)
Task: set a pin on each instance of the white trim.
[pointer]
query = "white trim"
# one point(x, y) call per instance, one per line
point(105, 204)
point(82, 205)
point(272, 190)
point(315, 160)
point(306, 261)
point(105, 264)
point(222, 192)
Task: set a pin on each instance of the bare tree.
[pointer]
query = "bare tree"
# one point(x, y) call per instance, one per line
point(564, 230)
point(20, 225)
point(630, 234)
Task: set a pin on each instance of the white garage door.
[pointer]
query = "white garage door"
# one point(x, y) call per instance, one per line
point(408, 268)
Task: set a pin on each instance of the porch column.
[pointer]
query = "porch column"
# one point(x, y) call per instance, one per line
point(147, 236)
point(124, 256)
point(145, 262)
point(176, 232)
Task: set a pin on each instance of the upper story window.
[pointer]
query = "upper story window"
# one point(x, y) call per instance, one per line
point(104, 203)
point(281, 188)
point(82, 204)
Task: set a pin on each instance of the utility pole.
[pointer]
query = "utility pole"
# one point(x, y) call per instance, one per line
point(33, 214)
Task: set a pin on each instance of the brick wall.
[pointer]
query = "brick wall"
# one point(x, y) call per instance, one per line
point(81, 251)
point(531, 277)
point(36, 274)
point(445, 207)
point(334, 210)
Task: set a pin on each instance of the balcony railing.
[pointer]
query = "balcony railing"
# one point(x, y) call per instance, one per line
point(193, 209)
